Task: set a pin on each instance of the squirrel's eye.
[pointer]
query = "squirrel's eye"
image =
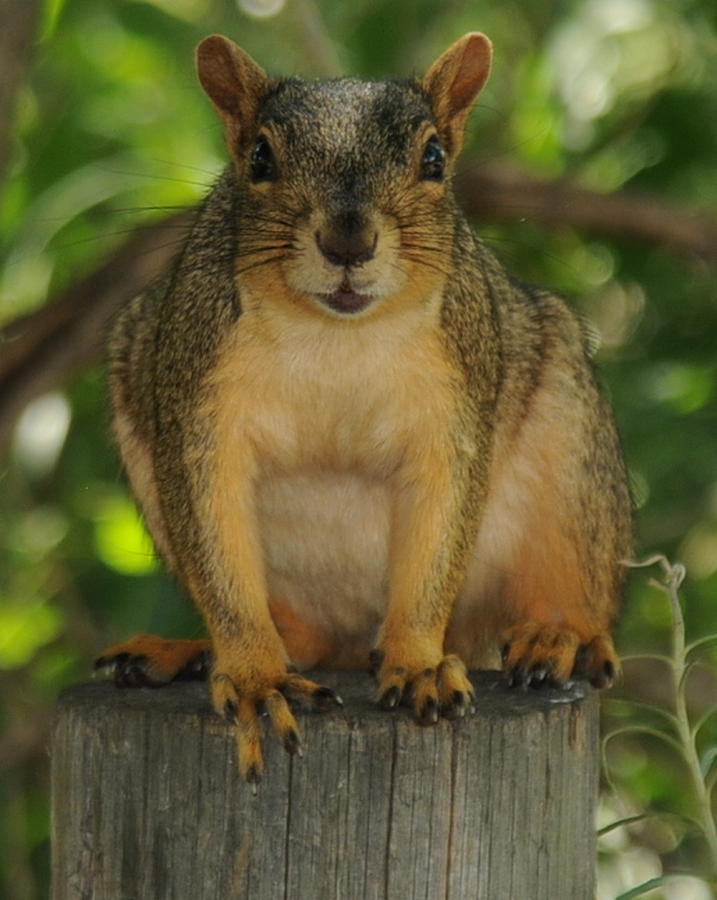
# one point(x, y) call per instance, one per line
point(263, 164)
point(434, 160)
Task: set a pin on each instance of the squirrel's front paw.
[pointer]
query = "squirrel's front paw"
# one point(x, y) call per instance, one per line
point(242, 699)
point(432, 691)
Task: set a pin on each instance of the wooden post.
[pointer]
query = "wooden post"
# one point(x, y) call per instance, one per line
point(148, 805)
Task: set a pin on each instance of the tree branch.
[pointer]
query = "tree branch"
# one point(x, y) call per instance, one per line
point(39, 351)
point(505, 193)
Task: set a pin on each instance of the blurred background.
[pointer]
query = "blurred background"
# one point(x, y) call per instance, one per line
point(589, 166)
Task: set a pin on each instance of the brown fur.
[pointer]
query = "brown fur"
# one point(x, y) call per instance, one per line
point(430, 471)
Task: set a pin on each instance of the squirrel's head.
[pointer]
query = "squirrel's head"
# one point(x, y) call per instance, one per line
point(345, 184)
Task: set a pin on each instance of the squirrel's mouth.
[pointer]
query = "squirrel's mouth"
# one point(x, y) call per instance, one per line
point(345, 300)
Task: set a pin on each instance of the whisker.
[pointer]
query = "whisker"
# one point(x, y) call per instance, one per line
point(415, 245)
point(420, 261)
point(122, 210)
point(262, 262)
point(272, 220)
point(252, 251)
point(203, 184)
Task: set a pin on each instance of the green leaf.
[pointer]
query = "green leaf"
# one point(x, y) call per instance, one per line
point(637, 657)
point(638, 706)
point(707, 759)
point(703, 719)
point(628, 820)
point(643, 888)
point(705, 641)
point(644, 729)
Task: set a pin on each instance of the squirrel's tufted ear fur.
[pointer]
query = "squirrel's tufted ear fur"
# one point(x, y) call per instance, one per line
point(454, 81)
point(233, 81)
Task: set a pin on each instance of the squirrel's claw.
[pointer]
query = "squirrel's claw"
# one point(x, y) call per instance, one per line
point(243, 710)
point(537, 656)
point(444, 690)
point(147, 660)
point(317, 697)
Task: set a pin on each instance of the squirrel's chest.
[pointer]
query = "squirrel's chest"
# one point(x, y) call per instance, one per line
point(347, 399)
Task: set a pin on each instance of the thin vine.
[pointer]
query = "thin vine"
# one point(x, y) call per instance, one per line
point(681, 733)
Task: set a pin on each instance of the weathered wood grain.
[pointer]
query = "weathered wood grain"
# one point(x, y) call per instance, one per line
point(148, 805)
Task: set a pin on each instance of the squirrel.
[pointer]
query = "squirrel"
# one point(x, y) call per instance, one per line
point(355, 438)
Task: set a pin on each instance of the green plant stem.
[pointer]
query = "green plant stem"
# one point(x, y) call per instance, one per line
point(680, 669)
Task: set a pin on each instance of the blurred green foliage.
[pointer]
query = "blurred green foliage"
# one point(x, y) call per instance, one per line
point(113, 131)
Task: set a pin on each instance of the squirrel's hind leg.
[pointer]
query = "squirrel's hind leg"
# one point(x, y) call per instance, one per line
point(559, 607)
point(536, 654)
point(147, 660)
point(555, 530)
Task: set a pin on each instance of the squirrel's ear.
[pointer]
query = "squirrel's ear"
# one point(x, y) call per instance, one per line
point(454, 81)
point(233, 82)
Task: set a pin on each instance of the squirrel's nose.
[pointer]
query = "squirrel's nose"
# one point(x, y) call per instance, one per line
point(346, 240)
